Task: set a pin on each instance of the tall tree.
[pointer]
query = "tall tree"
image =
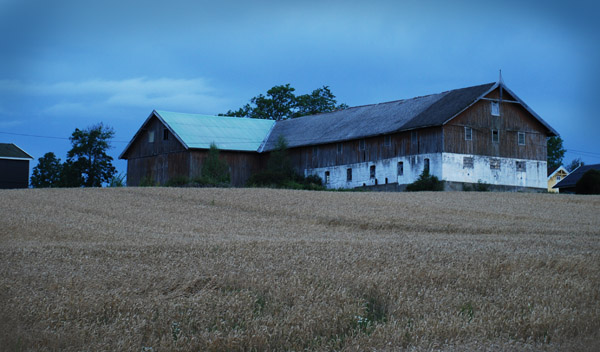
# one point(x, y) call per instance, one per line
point(575, 163)
point(281, 103)
point(47, 173)
point(556, 152)
point(87, 162)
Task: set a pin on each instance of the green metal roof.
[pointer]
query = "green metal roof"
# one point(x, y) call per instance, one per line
point(228, 133)
point(11, 151)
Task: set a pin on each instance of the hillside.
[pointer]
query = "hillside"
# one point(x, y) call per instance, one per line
point(157, 269)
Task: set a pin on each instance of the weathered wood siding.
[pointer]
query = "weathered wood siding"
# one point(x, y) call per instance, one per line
point(512, 120)
point(142, 147)
point(426, 140)
point(241, 164)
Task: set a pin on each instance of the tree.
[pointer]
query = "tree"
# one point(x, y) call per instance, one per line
point(214, 170)
point(575, 163)
point(87, 163)
point(556, 152)
point(47, 173)
point(281, 103)
point(589, 183)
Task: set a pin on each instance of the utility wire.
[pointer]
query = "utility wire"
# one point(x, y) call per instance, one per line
point(50, 137)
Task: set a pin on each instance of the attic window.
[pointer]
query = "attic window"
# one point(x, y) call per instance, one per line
point(495, 136)
point(521, 138)
point(165, 134)
point(468, 133)
point(339, 148)
point(150, 136)
point(495, 108)
point(387, 141)
point(361, 144)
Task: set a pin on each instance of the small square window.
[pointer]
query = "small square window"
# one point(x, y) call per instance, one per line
point(468, 133)
point(558, 178)
point(339, 148)
point(495, 136)
point(400, 168)
point(372, 171)
point(348, 175)
point(327, 178)
point(495, 108)
point(387, 141)
point(521, 138)
point(495, 164)
point(521, 166)
point(468, 162)
point(361, 144)
point(165, 134)
point(150, 136)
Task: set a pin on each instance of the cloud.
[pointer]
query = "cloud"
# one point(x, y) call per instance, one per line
point(189, 95)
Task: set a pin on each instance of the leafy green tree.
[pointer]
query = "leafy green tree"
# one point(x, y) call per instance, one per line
point(556, 152)
point(575, 163)
point(87, 163)
point(281, 103)
point(47, 173)
point(215, 171)
point(589, 183)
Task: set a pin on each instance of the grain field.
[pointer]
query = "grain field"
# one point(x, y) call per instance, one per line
point(180, 269)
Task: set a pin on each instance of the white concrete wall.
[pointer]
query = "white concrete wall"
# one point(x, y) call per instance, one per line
point(534, 175)
point(387, 168)
point(446, 166)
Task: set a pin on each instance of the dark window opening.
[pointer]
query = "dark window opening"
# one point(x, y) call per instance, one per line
point(349, 175)
point(426, 168)
point(400, 168)
point(521, 166)
point(165, 134)
point(327, 178)
point(521, 138)
point(495, 136)
point(468, 134)
point(467, 162)
point(386, 181)
point(372, 171)
point(376, 182)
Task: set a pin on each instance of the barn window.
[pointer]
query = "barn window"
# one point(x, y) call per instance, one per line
point(468, 162)
point(521, 138)
point(372, 171)
point(426, 167)
point(339, 148)
point(327, 178)
point(468, 133)
point(414, 137)
point(165, 134)
point(495, 164)
point(387, 141)
point(315, 150)
point(400, 168)
point(521, 166)
point(495, 108)
point(150, 136)
point(348, 175)
point(361, 144)
point(495, 136)
point(558, 178)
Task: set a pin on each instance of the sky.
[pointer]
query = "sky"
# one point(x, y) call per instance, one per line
point(73, 64)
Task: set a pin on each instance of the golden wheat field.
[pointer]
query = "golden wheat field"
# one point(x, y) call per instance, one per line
point(179, 269)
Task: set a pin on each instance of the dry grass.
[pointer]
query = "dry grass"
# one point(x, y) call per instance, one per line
point(160, 269)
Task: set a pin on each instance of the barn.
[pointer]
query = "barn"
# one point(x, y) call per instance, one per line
point(483, 133)
point(14, 166)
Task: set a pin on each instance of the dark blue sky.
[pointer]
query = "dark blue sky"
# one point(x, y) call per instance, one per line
point(71, 64)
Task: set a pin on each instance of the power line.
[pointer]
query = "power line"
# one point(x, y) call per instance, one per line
point(49, 137)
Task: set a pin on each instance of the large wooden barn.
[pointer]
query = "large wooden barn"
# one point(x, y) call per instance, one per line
point(464, 136)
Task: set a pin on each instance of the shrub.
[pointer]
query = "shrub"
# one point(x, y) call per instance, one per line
point(426, 182)
point(214, 170)
point(147, 181)
point(589, 183)
point(177, 181)
point(117, 181)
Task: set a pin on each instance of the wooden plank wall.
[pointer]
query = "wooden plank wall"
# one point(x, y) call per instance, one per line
point(428, 140)
point(241, 164)
point(141, 147)
point(513, 119)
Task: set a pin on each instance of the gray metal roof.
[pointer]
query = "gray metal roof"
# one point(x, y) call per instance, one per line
point(575, 175)
point(376, 119)
point(11, 151)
